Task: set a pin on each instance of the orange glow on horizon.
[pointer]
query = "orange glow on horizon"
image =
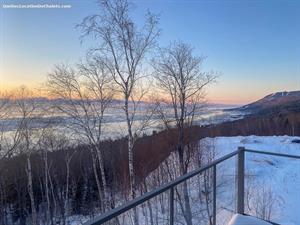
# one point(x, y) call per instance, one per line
point(216, 99)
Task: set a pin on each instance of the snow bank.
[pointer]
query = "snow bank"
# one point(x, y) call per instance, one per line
point(238, 219)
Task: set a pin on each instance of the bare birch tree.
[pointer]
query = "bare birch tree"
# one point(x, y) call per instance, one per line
point(179, 76)
point(86, 93)
point(51, 142)
point(125, 47)
point(47, 144)
point(261, 200)
point(27, 108)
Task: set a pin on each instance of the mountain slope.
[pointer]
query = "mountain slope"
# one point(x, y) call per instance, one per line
point(274, 100)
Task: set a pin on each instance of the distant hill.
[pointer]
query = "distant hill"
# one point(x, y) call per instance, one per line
point(275, 100)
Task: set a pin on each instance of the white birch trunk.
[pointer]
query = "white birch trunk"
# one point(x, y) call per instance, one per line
point(106, 200)
point(97, 180)
point(131, 161)
point(30, 191)
point(47, 186)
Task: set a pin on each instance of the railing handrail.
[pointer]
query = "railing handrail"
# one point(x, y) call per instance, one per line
point(273, 153)
point(98, 220)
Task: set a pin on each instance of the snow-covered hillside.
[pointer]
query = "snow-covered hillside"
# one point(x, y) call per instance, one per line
point(272, 181)
point(271, 100)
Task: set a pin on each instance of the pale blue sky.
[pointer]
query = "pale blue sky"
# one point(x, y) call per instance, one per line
point(255, 44)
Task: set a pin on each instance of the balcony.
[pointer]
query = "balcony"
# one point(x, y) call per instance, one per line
point(169, 189)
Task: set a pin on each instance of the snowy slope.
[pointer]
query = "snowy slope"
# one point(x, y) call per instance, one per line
point(275, 177)
point(275, 99)
point(243, 220)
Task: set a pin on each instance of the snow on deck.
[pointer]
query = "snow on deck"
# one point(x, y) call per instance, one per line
point(238, 219)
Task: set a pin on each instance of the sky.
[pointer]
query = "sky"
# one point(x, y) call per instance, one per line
point(253, 44)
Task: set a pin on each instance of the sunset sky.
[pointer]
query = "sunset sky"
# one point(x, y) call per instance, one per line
point(254, 44)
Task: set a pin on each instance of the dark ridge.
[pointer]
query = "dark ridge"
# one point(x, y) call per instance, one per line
point(278, 99)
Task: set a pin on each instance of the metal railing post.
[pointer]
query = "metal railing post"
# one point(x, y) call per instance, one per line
point(171, 199)
point(214, 195)
point(240, 180)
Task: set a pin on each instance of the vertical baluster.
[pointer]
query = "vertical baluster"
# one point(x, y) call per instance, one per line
point(214, 194)
point(240, 180)
point(171, 199)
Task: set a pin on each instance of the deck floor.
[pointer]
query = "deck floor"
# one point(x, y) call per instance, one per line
point(238, 219)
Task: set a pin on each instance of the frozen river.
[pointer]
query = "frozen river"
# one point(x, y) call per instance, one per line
point(114, 123)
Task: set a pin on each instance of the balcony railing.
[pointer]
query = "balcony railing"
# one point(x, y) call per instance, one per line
point(169, 187)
